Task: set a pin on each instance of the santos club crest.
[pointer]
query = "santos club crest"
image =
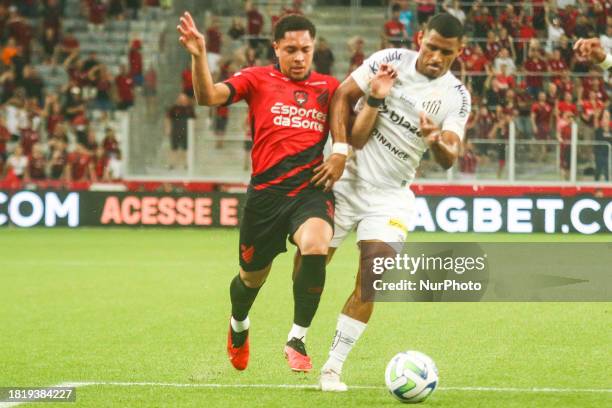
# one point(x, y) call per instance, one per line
point(300, 97)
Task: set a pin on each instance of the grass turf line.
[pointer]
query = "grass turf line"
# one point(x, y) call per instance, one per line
point(141, 305)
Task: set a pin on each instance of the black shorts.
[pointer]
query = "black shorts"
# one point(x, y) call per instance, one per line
point(220, 124)
point(501, 151)
point(178, 141)
point(270, 217)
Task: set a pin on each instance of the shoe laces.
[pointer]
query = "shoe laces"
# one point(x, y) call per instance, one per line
point(297, 345)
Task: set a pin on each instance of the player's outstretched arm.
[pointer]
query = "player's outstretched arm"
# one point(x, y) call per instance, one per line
point(380, 87)
point(445, 145)
point(207, 93)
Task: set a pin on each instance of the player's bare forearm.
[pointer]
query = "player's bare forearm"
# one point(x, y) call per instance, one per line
point(207, 93)
point(340, 111)
point(341, 108)
point(380, 88)
point(363, 126)
point(446, 149)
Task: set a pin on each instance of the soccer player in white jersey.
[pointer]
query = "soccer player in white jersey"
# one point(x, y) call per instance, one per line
point(410, 103)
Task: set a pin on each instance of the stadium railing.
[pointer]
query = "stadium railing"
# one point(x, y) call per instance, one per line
point(511, 161)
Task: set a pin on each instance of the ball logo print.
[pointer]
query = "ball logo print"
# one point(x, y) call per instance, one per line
point(411, 376)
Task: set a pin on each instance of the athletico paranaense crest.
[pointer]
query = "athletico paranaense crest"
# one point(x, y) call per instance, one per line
point(300, 97)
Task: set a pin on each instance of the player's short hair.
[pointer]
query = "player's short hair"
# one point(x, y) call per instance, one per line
point(293, 22)
point(446, 25)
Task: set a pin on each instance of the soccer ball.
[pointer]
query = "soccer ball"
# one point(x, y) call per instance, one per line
point(411, 376)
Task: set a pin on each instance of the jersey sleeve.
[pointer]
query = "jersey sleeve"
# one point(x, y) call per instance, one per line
point(333, 86)
point(366, 71)
point(242, 85)
point(460, 112)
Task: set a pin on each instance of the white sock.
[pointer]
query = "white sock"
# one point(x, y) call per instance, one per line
point(297, 332)
point(348, 331)
point(240, 326)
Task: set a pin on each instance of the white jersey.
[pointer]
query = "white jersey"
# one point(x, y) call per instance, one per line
point(391, 156)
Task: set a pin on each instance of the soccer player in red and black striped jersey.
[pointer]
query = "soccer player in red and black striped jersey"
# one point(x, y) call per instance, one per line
point(289, 190)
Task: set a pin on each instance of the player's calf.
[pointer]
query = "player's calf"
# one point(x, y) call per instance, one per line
point(242, 295)
point(307, 289)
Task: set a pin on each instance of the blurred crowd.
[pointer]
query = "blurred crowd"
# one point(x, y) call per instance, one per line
point(518, 64)
point(246, 42)
point(58, 104)
point(520, 68)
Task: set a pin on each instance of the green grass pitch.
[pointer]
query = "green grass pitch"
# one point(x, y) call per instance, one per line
point(152, 306)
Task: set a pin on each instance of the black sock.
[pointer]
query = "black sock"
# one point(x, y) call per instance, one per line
point(307, 288)
point(242, 298)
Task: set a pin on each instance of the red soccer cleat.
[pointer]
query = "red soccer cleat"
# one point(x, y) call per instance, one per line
point(238, 356)
point(295, 353)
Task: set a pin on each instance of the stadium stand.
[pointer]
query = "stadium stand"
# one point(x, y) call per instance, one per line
point(513, 52)
point(67, 68)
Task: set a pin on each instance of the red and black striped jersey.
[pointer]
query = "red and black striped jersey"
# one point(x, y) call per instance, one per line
point(289, 125)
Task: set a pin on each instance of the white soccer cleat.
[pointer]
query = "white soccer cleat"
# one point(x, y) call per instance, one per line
point(330, 382)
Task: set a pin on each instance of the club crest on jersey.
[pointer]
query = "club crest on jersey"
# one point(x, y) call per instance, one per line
point(300, 97)
point(432, 107)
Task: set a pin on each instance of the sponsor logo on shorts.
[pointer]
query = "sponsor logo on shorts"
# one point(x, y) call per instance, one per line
point(394, 222)
point(330, 209)
point(247, 252)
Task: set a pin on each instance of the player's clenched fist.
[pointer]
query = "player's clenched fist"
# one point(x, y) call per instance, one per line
point(191, 38)
point(383, 81)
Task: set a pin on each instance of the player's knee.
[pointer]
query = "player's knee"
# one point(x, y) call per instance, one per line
point(253, 282)
point(314, 247)
point(313, 237)
point(253, 279)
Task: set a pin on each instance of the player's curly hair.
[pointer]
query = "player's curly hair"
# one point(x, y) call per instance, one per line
point(446, 25)
point(293, 22)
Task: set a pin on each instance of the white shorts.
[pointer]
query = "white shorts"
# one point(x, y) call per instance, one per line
point(378, 214)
